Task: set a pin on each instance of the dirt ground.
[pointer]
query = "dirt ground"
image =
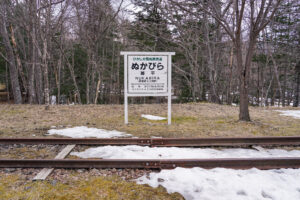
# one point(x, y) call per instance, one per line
point(188, 120)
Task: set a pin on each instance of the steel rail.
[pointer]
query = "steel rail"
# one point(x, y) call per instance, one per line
point(160, 142)
point(233, 163)
point(79, 141)
point(228, 141)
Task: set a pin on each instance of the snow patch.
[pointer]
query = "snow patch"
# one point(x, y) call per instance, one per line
point(144, 152)
point(291, 113)
point(83, 132)
point(155, 137)
point(213, 184)
point(152, 117)
point(220, 183)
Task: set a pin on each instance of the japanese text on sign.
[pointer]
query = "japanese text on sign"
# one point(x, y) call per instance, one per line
point(147, 74)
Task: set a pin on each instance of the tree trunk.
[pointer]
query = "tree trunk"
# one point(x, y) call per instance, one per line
point(18, 60)
point(87, 91)
point(229, 96)
point(277, 77)
point(57, 77)
point(12, 63)
point(243, 70)
point(46, 80)
point(39, 83)
point(284, 88)
point(297, 89)
point(71, 68)
point(7, 81)
point(31, 89)
point(213, 97)
point(118, 77)
point(97, 90)
point(244, 110)
point(31, 72)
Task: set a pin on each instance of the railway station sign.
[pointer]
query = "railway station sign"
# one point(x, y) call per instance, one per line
point(147, 74)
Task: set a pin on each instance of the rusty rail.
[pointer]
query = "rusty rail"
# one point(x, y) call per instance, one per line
point(233, 163)
point(79, 141)
point(227, 141)
point(160, 142)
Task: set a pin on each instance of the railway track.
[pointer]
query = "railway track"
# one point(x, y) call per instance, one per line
point(163, 142)
point(234, 163)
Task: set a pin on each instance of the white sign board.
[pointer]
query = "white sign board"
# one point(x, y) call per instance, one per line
point(147, 74)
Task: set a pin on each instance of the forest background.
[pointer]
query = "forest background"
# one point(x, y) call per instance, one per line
point(227, 52)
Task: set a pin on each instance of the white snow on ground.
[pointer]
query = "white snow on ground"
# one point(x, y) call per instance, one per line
point(213, 184)
point(140, 152)
point(292, 113)
point(84, 132)
point(153, 117)
point(228, 184)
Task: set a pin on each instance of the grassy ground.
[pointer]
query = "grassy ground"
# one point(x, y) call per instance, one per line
point(108, 188)
point(188, 120)
point(29, 151)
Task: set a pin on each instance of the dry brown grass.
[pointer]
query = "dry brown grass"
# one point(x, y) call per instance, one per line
point(189, 120)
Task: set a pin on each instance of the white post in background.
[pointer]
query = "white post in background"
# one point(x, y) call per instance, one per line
point(169, 88)
point(125, 90)
point(126, 109)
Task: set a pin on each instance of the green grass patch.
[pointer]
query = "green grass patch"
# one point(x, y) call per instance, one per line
point(13, 112)
point(183, 119)
point(108, 188)
point(175, 119)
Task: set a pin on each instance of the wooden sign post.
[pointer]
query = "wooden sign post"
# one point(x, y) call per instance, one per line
point(147, 74)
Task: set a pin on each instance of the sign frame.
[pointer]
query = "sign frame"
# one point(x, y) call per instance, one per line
point(169, 81)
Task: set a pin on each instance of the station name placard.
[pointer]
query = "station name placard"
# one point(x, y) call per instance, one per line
point(147, 74)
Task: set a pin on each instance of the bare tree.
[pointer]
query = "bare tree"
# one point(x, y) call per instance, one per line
point(95, 20)
point(240, 19)
point(70, 49)
point(4, 9)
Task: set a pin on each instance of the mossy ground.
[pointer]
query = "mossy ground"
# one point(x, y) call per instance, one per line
point(108, 188)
